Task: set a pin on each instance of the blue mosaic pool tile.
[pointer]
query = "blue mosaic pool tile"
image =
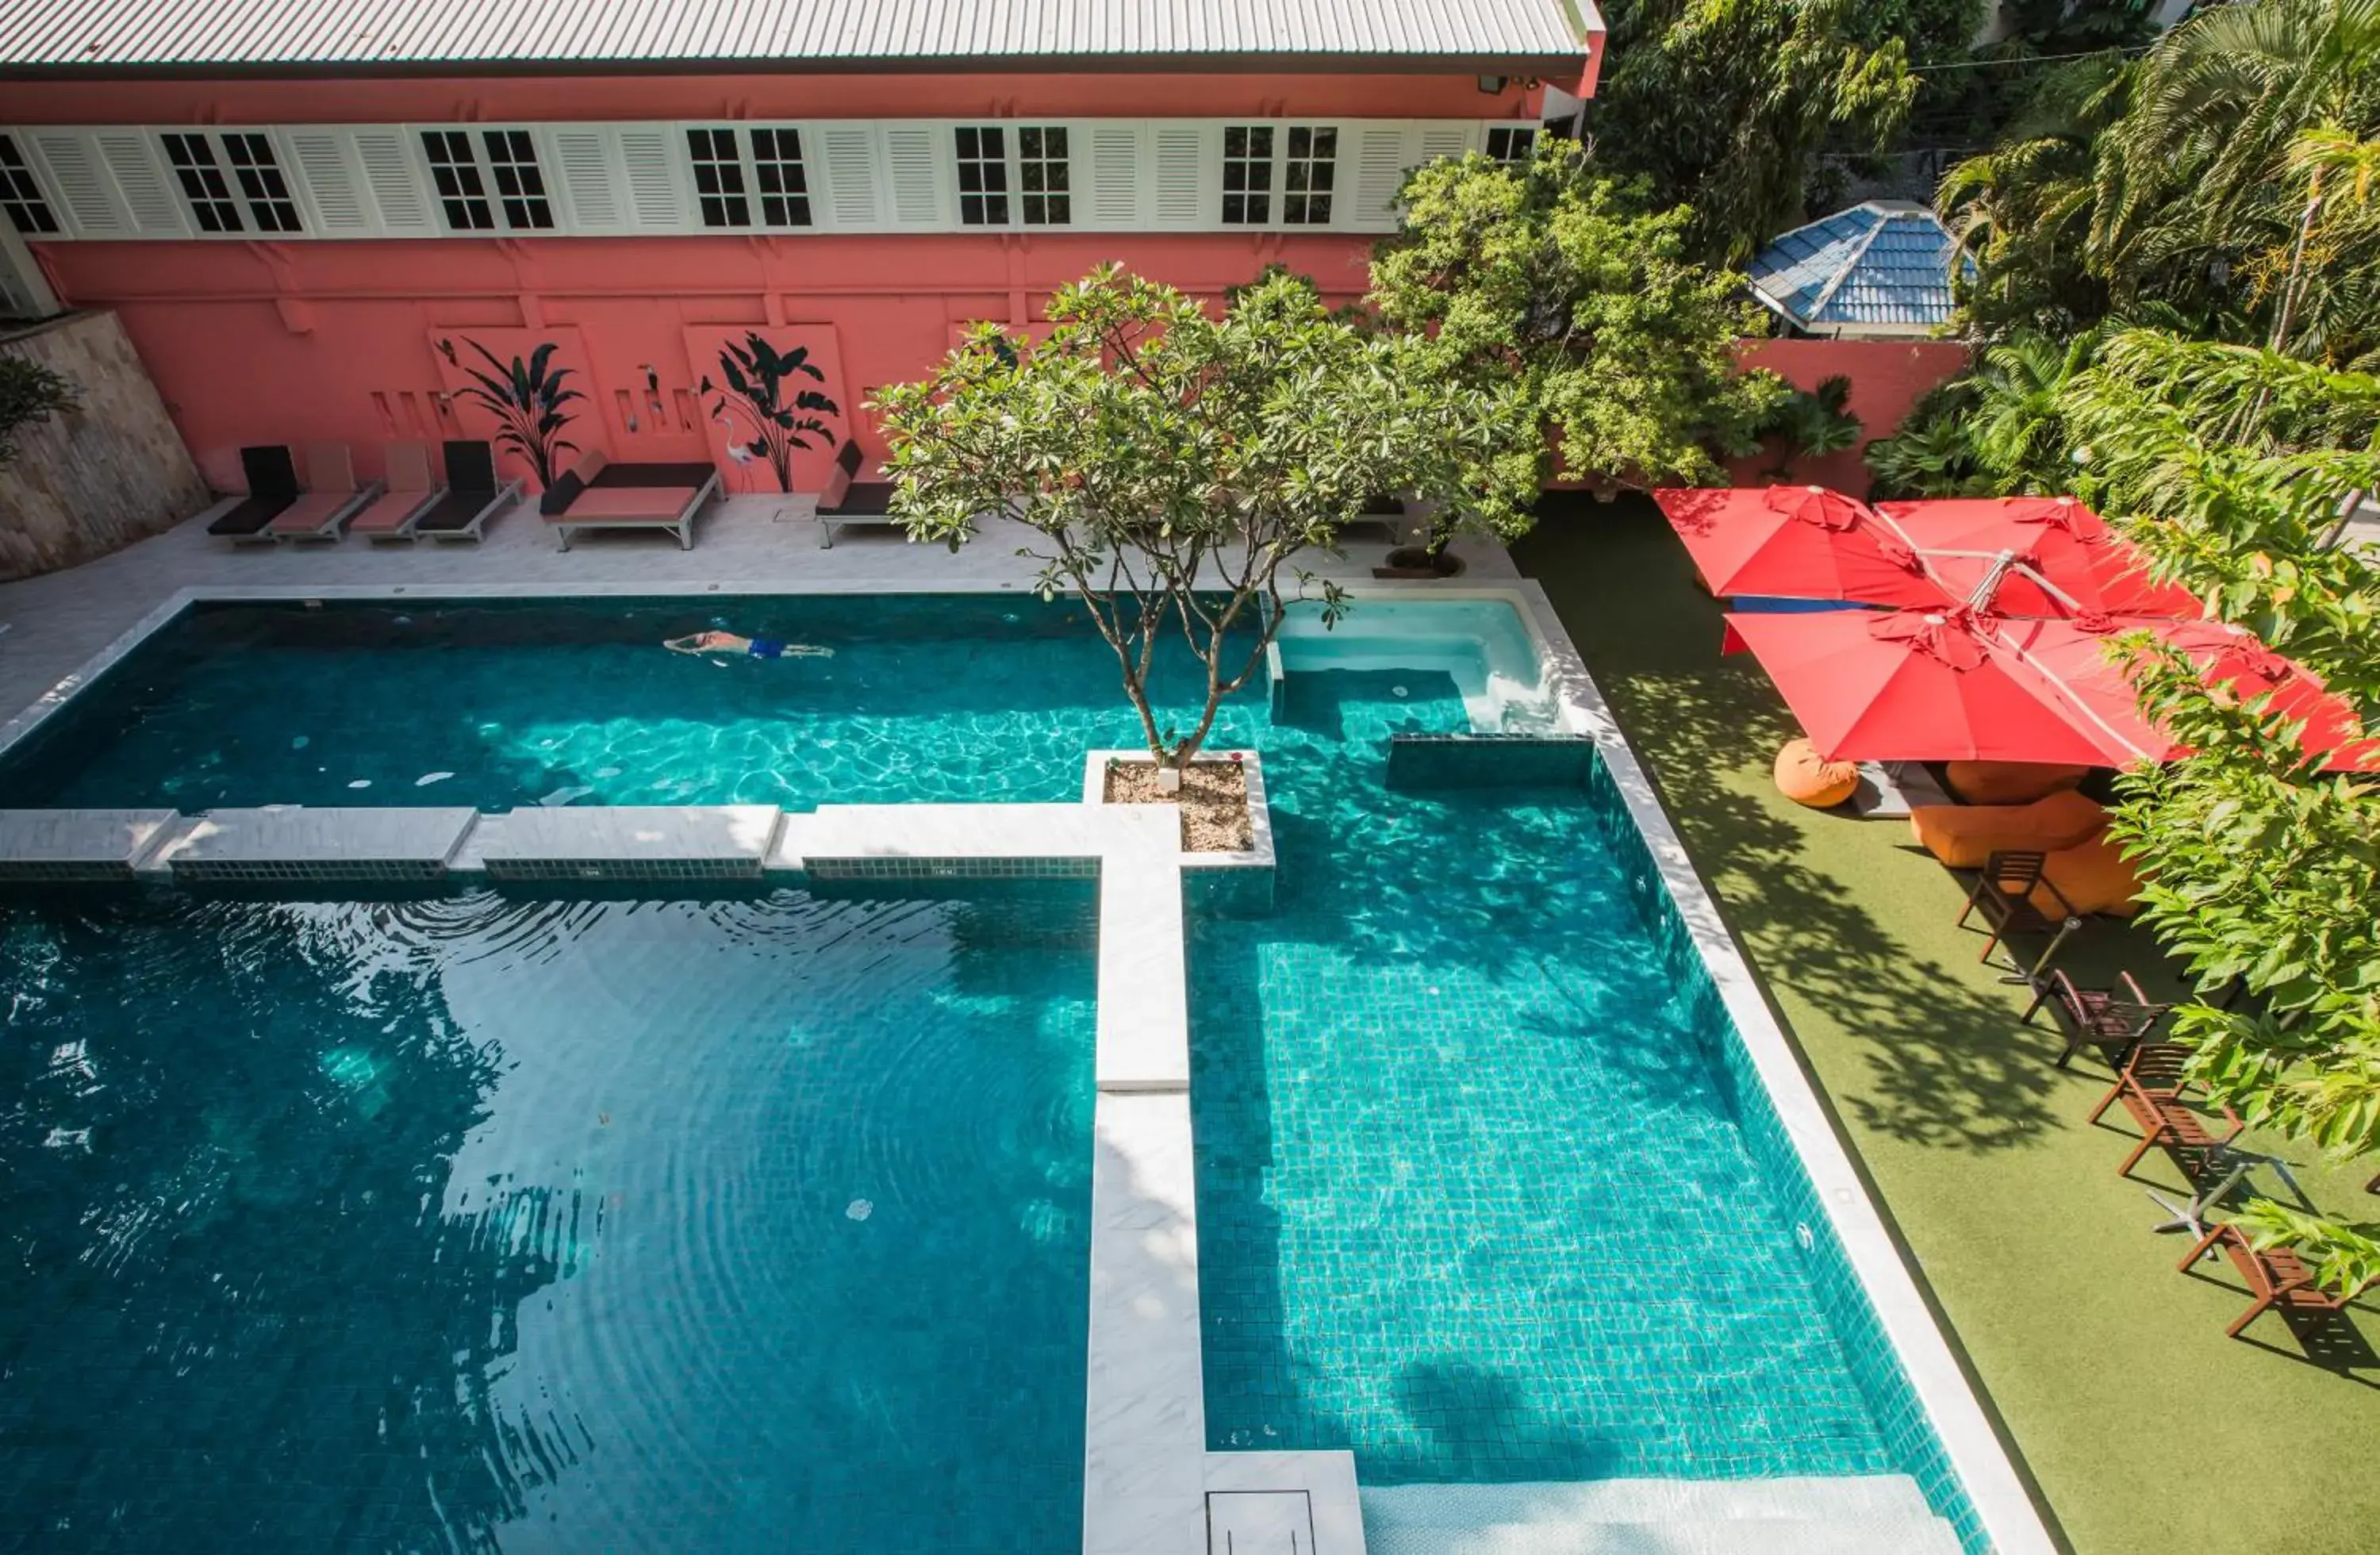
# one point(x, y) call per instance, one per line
point(1909, 1438)
point(1473, 1201)
point(1467, 761)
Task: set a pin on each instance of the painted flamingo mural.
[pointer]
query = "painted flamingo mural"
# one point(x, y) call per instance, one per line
point(527, 398)
point(763, 420)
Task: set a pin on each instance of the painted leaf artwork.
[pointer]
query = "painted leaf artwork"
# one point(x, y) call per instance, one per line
point(765, 400)
point(529, 398)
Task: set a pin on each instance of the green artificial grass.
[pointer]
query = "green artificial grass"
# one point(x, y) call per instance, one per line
point(2146, 1430)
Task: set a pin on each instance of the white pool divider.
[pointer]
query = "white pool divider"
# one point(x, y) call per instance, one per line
point(627, 842)
point(297, 844)
point(68, 846)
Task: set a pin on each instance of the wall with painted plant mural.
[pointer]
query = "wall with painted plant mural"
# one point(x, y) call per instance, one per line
point(770, 403)
point(519, 389)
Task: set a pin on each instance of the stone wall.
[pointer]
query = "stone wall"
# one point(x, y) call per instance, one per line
point(97, 478)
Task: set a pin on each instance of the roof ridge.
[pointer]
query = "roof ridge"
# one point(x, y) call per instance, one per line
point(1843, 272)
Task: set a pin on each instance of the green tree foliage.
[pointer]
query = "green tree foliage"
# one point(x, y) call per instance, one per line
point(1556, 280)
point(2218, 177)
point(2020, 212)
point(30, 395)
point(1725, 104)
point(1173, 466)
point(2225, 465)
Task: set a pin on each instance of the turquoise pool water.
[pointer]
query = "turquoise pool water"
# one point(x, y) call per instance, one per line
point(1472, 1200)
point(504, 704)
point(483, 1224)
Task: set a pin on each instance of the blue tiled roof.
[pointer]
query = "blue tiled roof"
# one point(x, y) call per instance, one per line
point(1876, 263)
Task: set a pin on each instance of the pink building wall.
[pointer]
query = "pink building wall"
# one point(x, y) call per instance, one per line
point(1889, 376)
point(321, 340)
point(330, 341)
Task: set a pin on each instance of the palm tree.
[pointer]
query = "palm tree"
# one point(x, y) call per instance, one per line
point(2017, 430)
point(2021, 211)
point(2197, 173)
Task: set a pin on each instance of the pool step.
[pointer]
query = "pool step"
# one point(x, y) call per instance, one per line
point(1867, 1514)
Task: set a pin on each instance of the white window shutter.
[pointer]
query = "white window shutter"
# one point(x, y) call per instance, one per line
point(591, 189)
point(1178, 176)
point(328, 183)
point(88, 200)
point(394, 183)
point(912, 155)
point(847, 156)
point(133, 162)
point(1111, 167)
point(650, 153)
point(1379, 171)
point(1445, 140)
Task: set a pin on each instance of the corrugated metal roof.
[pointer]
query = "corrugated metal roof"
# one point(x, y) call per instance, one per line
point(101, 35)
point(1877, 264)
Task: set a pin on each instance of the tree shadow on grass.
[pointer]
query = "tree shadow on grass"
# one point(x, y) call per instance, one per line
point(1948, 1064)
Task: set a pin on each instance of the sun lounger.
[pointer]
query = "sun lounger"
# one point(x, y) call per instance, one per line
point(411, 492)
point(473, 495)
point(272, 486)
point(332, 496)
point(599, 494)
point(849, 500)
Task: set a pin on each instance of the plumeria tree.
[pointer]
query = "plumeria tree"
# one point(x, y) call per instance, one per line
point(1174, 464)
point(2226, 465)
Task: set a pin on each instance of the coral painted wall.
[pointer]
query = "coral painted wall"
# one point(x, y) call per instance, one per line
point(1888, 377)
point(333, 341)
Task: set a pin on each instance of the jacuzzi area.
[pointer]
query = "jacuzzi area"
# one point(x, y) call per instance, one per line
point(958, 1180)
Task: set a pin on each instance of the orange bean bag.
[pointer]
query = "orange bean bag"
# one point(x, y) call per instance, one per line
point(2008, 783)
point(1806, 780)
point(2093, 877)
point(1963, 836)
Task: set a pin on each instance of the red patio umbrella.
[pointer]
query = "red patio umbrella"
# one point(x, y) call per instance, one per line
point(2058, 538)
point(2075, 654)
point(1922, 686)
point(1797, 542)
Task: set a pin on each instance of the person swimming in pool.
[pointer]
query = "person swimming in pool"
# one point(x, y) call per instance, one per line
point(758, 648)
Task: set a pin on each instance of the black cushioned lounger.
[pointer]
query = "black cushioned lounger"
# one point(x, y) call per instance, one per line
point(272, 488)
point(473, 494)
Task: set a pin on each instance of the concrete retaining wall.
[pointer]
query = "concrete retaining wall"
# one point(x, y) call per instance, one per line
point(94, 478)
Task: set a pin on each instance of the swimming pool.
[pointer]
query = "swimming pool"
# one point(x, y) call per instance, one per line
point(1479, 1198)
point(500, 703)
point(478, 1223)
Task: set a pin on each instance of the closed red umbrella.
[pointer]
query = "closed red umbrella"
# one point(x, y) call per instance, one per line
point(2232, 659)
point(2058, 538)
point(1797, 542)
point(1922, 686)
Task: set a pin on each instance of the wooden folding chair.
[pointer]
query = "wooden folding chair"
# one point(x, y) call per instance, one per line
point(2150, 1087)
point(2115, 1020)
point(2005, 893)
point(2276, 1276)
